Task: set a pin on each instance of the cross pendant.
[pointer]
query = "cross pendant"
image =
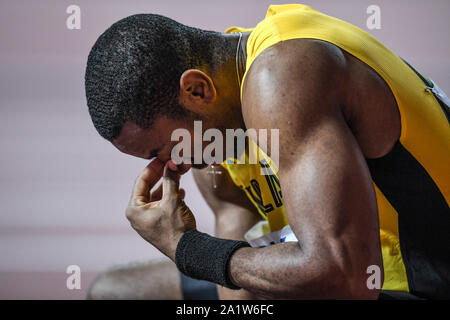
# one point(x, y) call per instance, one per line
point(214, 172)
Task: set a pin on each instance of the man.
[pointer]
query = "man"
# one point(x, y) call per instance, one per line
point(363, 159)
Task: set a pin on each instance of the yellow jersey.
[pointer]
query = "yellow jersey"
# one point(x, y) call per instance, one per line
point(412, 182)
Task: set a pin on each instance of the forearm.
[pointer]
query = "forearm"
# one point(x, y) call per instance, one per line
point(284, 271)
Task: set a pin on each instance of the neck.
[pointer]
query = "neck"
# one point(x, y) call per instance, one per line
point(227, 72)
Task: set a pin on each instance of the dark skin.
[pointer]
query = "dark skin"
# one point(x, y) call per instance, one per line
point(333, 111)
point(234, 215)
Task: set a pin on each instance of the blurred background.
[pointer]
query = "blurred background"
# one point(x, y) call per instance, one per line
point(63, 189)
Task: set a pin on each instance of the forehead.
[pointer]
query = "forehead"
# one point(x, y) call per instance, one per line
point(136, 141)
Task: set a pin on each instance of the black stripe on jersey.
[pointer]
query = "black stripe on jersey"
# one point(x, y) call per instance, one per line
point(423, 220)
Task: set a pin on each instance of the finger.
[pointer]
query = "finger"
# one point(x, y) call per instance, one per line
point(146, 180)
point(157, 194)
point(171, 181)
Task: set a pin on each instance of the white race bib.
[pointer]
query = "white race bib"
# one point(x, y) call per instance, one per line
point(258, 237)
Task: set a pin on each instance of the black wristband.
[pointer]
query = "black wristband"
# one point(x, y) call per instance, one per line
point(203, 257)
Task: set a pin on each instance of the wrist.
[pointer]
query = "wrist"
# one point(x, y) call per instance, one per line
point(201, 256)
point(173, 244)
point(233, 265)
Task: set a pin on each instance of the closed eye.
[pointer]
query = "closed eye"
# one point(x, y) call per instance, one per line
point(153, 154)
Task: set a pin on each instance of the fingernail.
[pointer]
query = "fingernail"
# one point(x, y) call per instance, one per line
point(170, 171)
point(172, 166)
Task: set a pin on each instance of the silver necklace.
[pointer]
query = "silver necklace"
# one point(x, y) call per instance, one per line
point(237, 59)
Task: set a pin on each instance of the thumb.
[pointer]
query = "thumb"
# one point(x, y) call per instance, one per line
point(170, 182)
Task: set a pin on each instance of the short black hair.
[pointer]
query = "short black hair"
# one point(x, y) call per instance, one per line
point(134, 68)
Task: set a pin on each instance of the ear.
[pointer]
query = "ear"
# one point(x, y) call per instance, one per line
point(196, 89)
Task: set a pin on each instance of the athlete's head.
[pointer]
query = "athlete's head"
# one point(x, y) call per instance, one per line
point(147, 75)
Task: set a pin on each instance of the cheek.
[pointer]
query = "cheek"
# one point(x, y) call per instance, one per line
point(166, 154)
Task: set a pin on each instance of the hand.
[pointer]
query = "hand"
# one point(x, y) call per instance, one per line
point(161, 217)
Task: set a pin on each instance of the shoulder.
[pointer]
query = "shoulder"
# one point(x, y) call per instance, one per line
point(293, 76)
point(310, 62)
